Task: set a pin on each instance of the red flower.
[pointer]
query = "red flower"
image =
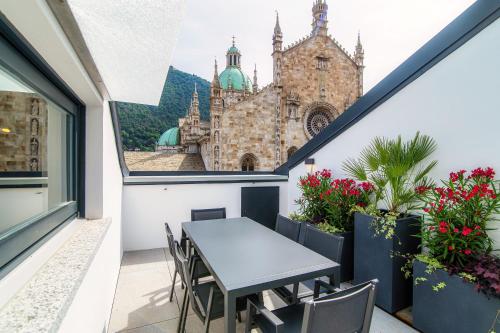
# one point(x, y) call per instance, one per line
point(367, 186)
point(443, 227)
point(456, 230)
point(479, 172)
point(431, 228)
point(467, 251)
point(450, 248)
point(426, 210)
point(421, 189)
point(466, 231)
point(326, 173)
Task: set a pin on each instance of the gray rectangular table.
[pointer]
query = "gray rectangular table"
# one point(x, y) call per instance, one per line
point(245, 257)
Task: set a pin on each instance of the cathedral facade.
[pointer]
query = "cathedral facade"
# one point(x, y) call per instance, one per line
point(258, 129)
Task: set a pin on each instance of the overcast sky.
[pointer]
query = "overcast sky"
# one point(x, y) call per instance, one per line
point(391, 30)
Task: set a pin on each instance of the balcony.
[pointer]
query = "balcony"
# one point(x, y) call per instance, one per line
point(141, 300)
point(83, 246)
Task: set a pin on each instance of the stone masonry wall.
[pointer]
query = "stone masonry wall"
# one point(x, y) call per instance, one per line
point(248, 127)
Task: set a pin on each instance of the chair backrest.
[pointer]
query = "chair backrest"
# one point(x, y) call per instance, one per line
point(328, 245)
point(170, 239)
point(347, 311)
point(208, 214)
point(287, 227)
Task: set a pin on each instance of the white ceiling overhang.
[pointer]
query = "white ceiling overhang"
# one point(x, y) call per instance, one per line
point(131, 43)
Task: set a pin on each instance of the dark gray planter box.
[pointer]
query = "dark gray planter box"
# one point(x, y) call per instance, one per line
point(347, 258)
point(373, 259)
point(456, 308)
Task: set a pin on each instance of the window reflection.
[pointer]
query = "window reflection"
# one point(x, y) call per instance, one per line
point(35, 138)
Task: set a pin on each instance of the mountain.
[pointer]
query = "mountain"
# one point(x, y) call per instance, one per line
point(141, 125)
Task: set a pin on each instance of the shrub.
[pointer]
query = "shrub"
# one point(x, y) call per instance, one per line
point(311, 206)
point(457, 214)
point(396, 168)
point(342, 196)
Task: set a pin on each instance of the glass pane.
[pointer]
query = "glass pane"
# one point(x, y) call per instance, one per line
point(35, 140)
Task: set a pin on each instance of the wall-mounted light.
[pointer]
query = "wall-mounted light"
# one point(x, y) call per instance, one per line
point(5, 130)
point(310, 166)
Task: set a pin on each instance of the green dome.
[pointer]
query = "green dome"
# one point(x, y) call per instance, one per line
point(233, 49)
point(169, 138)
point(237, 79)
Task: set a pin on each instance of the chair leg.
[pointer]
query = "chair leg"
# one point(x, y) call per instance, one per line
point(183, 310)
point(248, 321)
point(172, 290)
point(186, 310)
point(238, 315)
point(209, 310)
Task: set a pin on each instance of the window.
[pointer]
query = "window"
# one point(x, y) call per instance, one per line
point(38, 157)
point(248, 162)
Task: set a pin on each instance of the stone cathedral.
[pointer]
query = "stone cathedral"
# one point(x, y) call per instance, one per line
point(258, 129)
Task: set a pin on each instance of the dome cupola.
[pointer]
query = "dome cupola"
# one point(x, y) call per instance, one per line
point(233, 77)
point(233, 56)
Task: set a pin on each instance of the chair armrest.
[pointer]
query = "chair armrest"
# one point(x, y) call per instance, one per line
point(266, 313)
point(318, 284)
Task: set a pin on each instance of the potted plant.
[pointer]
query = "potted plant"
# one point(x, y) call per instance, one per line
point(457, 262)
point(395, 168)
point(328, 204)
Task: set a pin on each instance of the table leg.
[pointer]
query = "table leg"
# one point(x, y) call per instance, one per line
point(229, 313)
point(335, 278)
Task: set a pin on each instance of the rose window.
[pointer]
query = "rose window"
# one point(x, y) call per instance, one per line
point(316, 121)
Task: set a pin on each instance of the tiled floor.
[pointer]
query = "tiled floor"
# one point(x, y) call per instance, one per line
point(141, 301)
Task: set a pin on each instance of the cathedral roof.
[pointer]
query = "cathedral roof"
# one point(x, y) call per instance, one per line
point(235, 76)
point(170, 137)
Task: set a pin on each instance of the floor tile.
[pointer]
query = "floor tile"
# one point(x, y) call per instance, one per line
point(141, 260)
point(142, 298)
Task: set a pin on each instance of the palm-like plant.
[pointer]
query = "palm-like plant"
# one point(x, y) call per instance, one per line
point(396, 168)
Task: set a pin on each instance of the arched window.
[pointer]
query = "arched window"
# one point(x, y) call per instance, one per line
point(248, 162)
point(291, 151)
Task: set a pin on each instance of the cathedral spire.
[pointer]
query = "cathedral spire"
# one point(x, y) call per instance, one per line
point(277, 28)
point(320, 21)
point(255, 86)
point(215, 80)
point(278, 35)
point(359, 53)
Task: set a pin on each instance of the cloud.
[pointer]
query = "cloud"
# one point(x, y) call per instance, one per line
point(391, 30)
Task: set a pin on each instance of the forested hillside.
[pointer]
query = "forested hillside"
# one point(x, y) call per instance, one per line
point(141, 125)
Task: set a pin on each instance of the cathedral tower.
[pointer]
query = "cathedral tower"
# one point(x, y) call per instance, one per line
point(277, 61)
point(215, 120)
point(194, 113)
point(320, 20)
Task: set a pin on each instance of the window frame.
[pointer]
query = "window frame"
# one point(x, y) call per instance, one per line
point(26, 64)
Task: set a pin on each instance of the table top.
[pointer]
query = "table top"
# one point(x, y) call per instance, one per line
point(245, 256)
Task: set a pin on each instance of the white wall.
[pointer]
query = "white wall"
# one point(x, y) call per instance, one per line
point(147, 207)
point(456, 102)
point(91, 308)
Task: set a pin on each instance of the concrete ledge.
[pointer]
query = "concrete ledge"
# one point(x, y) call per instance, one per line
point(41, 305)
point(191, 179)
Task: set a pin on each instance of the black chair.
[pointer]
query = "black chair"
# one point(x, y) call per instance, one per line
point(208, 214)
point(346, 311)
point(288, 228)
point(171, 250)
point(201, 215)
point(200, 270)
point(329, 246)
point(207, 300)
